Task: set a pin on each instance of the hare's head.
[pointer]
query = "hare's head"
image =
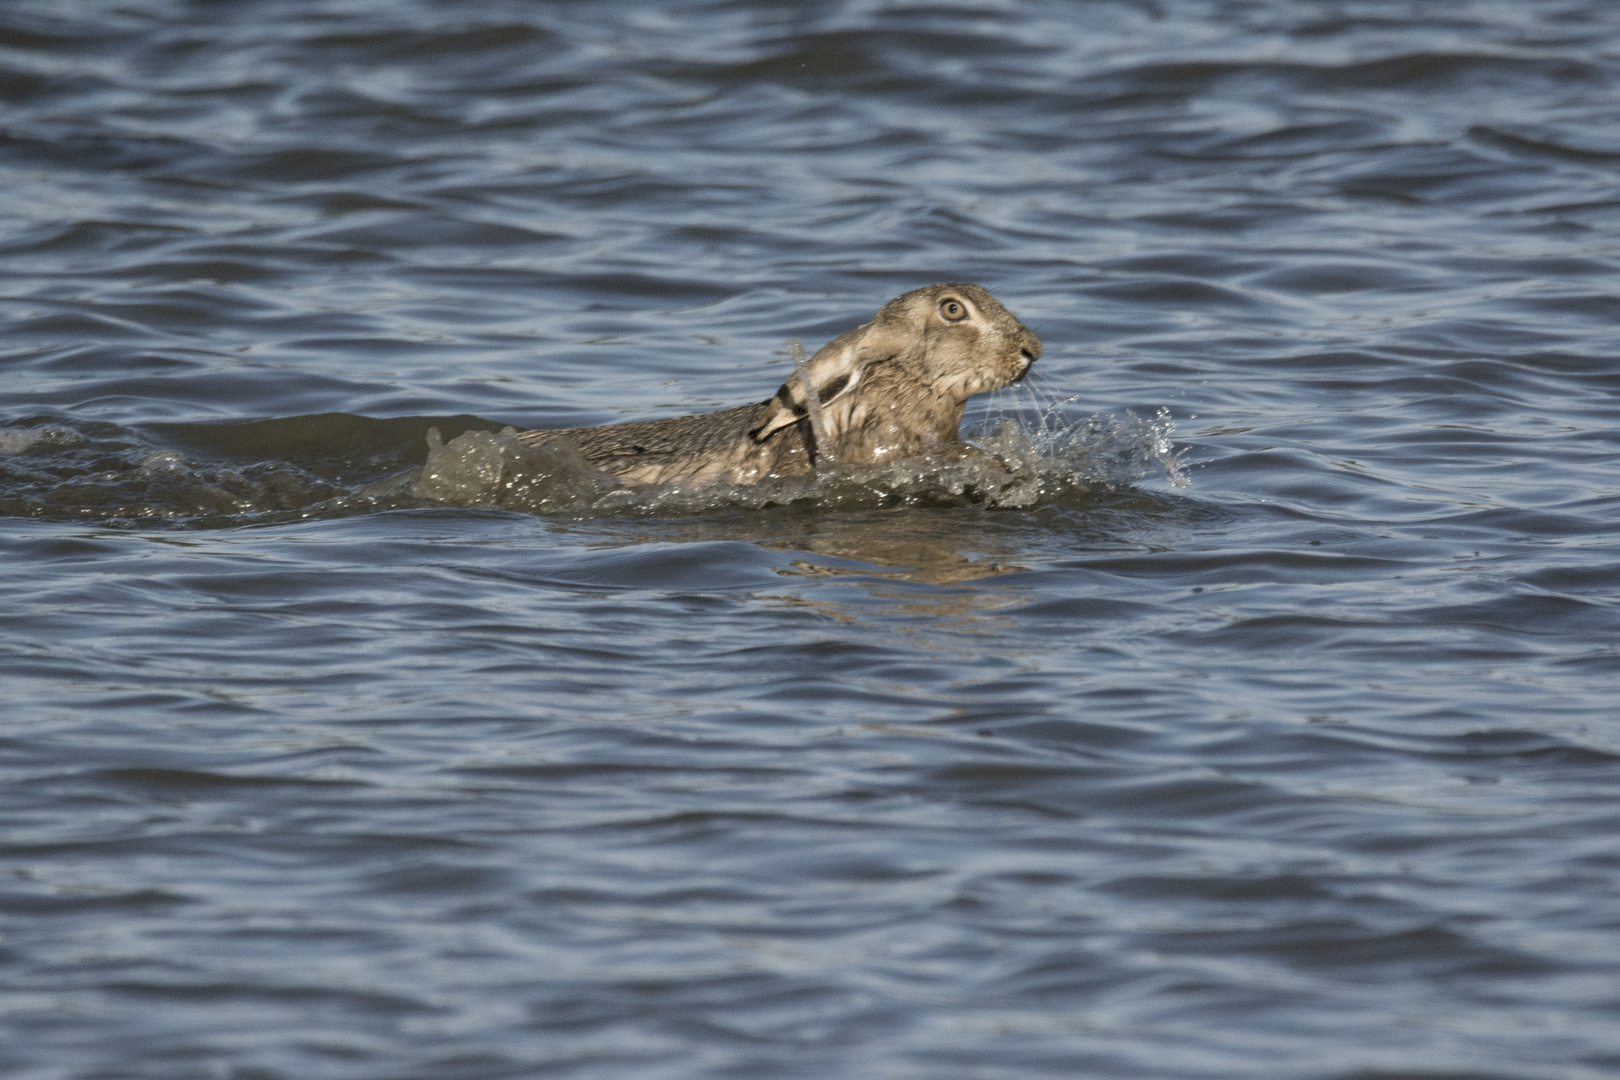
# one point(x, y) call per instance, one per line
point(955, 340)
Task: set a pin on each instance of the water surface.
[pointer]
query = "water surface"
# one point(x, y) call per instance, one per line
point(1307, 768)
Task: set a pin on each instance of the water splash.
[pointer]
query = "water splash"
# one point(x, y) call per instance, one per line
point(1100, 449)
point(15, 441)
point(1025, 461)
point(478, 468)
point(812, 402)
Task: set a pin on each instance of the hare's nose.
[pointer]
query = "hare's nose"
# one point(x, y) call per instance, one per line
point(1029, 345)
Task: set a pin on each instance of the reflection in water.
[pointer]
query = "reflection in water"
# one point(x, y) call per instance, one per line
point(880, 551)
point(934, 562)
point(913, 546)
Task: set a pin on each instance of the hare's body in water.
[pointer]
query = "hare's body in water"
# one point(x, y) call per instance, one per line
point(890, 389)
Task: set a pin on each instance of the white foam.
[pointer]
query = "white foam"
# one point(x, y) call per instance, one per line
point(22, 440)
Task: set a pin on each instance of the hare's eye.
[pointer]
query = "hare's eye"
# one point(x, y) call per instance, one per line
point(954, 310)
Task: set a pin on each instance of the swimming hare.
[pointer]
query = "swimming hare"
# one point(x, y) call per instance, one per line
point(890, 389)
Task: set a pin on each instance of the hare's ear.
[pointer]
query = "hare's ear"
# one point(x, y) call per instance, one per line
point(791, 406)
point(833, 373)
point(835, 370)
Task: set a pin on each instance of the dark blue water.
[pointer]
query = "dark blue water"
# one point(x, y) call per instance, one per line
point(1278, 736)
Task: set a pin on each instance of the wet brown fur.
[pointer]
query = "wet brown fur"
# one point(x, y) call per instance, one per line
point(892, 388)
